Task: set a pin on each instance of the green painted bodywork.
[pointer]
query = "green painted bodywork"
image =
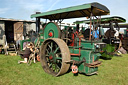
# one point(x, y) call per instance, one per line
point(87, 53)
point(51, 28)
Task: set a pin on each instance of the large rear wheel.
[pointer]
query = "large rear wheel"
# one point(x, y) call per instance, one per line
point(54, 53)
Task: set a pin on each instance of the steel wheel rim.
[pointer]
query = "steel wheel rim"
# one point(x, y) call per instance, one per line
point(52, 59)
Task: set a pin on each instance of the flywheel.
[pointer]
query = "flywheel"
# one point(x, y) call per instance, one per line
point(51, 30)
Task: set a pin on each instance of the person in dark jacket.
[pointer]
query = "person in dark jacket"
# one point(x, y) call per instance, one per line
point(27, 51)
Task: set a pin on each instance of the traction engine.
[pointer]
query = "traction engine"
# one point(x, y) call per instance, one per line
point(64, 49)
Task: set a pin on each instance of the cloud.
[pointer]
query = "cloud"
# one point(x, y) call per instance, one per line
point(53, 4)
point(3, 10)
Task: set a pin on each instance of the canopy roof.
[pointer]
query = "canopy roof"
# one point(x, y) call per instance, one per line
point(122, 25)
point(84, 10)
point(104, 20)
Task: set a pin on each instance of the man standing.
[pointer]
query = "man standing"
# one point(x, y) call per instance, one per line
point(95, 33)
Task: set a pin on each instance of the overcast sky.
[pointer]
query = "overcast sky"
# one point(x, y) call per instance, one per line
point(22, 9)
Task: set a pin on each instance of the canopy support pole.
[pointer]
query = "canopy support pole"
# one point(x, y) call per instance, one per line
point(90, 26)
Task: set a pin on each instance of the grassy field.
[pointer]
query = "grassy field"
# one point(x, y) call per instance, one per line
point(111, 72)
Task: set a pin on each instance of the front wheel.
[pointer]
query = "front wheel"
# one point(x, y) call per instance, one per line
point(54, 54)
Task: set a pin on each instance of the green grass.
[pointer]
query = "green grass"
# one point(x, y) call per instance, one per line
point(111, 72)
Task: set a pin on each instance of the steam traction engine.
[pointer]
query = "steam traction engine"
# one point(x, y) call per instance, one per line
point(64, 49)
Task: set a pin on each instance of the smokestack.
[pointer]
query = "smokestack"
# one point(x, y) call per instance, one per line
point(38, 12)
point(37, 25)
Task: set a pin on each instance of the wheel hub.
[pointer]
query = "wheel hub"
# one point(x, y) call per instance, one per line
point(52, 57)
point(50, 34)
